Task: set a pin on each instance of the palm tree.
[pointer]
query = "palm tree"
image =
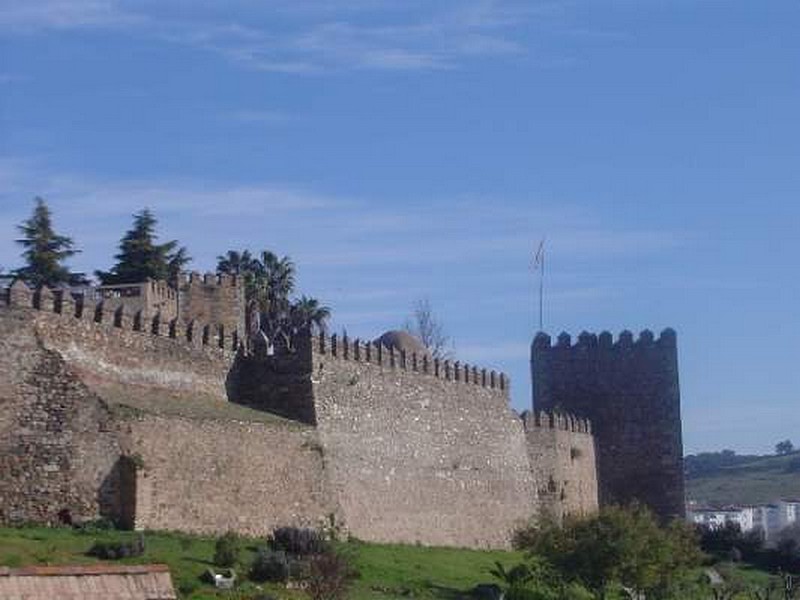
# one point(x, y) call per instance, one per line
point(273, 285)
point(308, 313)
point(269, 282)
point(243, 264)
point(237, 263)
point(517, 575)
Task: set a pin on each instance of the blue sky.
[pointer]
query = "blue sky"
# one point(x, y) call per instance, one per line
point(400, 150)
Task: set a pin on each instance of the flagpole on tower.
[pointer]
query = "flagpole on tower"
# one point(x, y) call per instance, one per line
point(538, 264)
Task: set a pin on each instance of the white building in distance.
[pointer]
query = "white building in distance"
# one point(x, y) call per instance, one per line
point(768, 518)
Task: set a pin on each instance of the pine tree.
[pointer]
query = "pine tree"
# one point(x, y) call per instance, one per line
point(45, 250)
point(140, 257)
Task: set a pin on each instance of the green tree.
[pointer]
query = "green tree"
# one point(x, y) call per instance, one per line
point(308, 313)
point(624, 546)
point(269, 285)
point(234, 262)
point(227, 550)
point(140, 257)
point(45, 250)
point(242, 264)
point(276, 283)
point(784, 447)
point(535, 579)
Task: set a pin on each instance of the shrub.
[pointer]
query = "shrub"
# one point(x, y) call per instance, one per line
point(332, 529)
point(270, 565)
point(330, 575)
point(227, 550)
point(93, 525)
point(624, 546)
point(186, 587)
point(299, 569)
point(116, 549)
point(728, 542)
point(531, 592)
point(297, 541)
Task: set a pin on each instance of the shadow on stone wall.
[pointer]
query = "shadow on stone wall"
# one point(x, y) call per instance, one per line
point(116, 497)
point(280, 384)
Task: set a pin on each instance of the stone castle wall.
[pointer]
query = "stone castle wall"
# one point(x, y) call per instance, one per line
point(280, 383)
point(629, 390)
point(212, 476)
point(58, 444)
point(212, 298)
point(134, 362)
point(562, 456)
point(151, 297)
point(405, 449)
point(420, 457)
point(65, 449)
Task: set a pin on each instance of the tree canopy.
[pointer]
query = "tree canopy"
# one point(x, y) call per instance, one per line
point(619, 546)
point(45, 250)
point(269, 285)
point(140, 257)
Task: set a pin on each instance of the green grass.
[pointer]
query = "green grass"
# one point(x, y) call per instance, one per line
point(386, 571)
point(389, 571)
point(129, 402)
point(760, 480)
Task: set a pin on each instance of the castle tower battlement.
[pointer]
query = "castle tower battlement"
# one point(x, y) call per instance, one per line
point(562, 455)
point(344, 348)
point(554, 420)
point(124, 316)
point(628, 387)
point(212, 298)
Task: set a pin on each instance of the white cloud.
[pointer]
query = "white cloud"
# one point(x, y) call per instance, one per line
point(347, 232)
point(309, 37)
point(33, 15)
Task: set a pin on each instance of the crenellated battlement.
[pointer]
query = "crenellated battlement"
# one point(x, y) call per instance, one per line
point(556, 421)
point(605, 339)
point(628, 386)
point(344, 348)
point(209, 279)
point(211, 298)
point(102, 311)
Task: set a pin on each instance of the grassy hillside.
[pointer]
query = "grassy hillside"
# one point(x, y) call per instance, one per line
point(386, 571)
point(729, 479)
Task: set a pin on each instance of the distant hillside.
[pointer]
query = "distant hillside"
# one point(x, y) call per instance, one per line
point(720, 478)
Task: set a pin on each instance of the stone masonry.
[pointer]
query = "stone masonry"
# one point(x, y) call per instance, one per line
point(116, 411)
point(629, 391)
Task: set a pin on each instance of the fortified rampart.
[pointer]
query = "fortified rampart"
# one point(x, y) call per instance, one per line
point(123, 414)
point(433, 444)
point(58, 444)
point(151, 298)
point(629, 390)
point(212, 298)
point(212, 475)
point(561, 450)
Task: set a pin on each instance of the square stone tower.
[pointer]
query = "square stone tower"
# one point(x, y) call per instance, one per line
point(629, 390)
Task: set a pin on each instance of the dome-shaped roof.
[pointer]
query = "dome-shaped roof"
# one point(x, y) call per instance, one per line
point(402, 340)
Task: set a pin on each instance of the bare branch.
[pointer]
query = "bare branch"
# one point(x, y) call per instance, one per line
point(425, 326)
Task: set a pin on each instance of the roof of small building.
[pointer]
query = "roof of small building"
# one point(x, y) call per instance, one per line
point(402, 340)
point(87, 582)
